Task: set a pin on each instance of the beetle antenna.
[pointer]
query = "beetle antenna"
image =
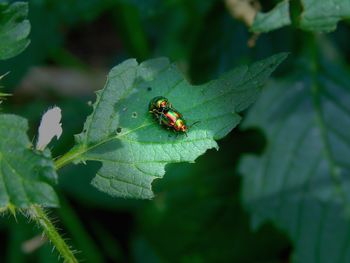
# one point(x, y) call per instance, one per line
point(193, 124)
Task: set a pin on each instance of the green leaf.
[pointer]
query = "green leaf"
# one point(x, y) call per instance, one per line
point(14, 29)
point(276, 18)
point(301, 182)
point(323, 15)
point(25, 175)
point(132, 146)
point(315, 15)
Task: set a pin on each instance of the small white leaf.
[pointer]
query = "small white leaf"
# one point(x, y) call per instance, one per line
point(50, 127)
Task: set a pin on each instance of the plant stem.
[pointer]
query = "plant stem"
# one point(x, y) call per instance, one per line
point(39, 216)
point(83, 240)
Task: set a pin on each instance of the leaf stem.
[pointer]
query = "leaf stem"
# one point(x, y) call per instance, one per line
point(78, 150)
point(68, 157)
point(40, 217)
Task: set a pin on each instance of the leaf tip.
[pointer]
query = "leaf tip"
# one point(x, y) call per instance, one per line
point(280, 57)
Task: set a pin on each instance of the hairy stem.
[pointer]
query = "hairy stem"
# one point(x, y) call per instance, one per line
point(39, 216)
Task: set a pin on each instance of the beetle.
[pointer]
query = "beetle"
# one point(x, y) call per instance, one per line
point(159, 104)
point(167, 115)
point(173, 120)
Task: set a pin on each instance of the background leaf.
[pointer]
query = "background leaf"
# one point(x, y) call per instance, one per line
point(135, 156)
point(274, 19)
point(14, 29)
point(323, 15)
point(24, 182)
point(312, 15)
point(301, 180)
point(208, 194)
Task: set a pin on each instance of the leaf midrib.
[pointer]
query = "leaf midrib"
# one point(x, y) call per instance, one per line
point(316, 102)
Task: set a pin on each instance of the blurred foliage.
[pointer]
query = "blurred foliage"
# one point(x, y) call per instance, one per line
point(197, 214)
point(310, 15)
point(274, 19)
point(14, 29)
point(304, 171)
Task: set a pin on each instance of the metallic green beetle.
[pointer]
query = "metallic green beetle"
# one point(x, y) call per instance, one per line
point(174, 120)
point(159, 104)
point(167, 115)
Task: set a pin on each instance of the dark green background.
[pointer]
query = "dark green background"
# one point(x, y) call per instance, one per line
point(197, 215)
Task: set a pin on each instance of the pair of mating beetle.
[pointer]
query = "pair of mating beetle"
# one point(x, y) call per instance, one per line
point(167, 115)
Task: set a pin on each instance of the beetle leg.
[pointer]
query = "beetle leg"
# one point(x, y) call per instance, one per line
point(160, 118)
